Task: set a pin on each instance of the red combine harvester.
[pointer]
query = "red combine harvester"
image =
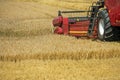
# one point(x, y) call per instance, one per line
point(102, 21)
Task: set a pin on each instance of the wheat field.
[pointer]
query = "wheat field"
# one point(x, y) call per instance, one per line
point(29, 50)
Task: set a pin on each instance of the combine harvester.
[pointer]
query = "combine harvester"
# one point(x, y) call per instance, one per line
point(102, 21)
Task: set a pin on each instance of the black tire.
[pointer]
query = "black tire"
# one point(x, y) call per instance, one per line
point(106, 32)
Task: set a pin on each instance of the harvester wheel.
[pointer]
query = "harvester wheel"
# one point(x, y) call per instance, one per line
point(106, 32)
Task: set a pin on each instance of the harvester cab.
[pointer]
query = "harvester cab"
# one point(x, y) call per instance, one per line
point(102, 21)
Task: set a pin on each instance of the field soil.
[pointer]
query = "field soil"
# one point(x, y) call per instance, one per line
point(29, 50)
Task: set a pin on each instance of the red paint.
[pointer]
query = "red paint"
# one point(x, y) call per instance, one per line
point(113, 7)
point(58, 30)
point(57, 21)
point(79, 26)
point(65, 26)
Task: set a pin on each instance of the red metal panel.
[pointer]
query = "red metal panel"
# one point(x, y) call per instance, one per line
point(79, 26)
point(113, 7)
point(80, 29)
point(112, 3)
point(65, 26)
